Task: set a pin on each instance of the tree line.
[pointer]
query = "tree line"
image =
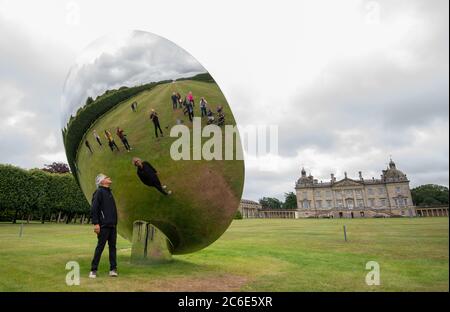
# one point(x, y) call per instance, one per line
point(430, 195)
point(290, 202)
point(47, 195)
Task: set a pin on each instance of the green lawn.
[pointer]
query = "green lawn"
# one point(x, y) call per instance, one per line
point(252, 255)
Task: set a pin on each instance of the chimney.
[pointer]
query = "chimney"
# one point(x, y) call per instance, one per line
point(332, 178)
point(360, 175)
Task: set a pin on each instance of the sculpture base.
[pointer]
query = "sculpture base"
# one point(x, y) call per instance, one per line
point(149, 244)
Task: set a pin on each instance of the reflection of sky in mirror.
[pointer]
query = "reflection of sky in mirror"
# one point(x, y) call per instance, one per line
point(123, 59)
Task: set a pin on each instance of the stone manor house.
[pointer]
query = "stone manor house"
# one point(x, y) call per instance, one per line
point(384, 197)
point(388, 196)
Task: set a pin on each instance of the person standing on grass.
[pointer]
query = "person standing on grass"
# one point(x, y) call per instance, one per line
point(180, 101)
point(104, 218)
point(123, 138)
point(190, 98)
point(174, 100)
point(149, 175)
point(203, 104)
point(155, 119)
point(97, 138)
point(111, 141)
point(190, 110)
point(88, 145)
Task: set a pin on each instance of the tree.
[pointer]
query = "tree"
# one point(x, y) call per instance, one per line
point(238, 215)
point(270, 203)
point(290, 201)
point(57, 167)
point(430, 194)
point(42, 203)
point(15, 190)
point(89, 100)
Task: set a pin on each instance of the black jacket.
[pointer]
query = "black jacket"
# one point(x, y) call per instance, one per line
point(147, 174)
point(104, 211)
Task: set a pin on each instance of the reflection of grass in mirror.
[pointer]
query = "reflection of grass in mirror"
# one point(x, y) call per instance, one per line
point(205, 193)
point(252, 255)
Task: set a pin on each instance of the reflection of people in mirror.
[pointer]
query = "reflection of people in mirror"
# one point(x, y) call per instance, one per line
point(123, 137)
point(149, 175)
point(154, 117)
point(112, 144)
point(97, 138)
point(174, 98)
point(88, 145)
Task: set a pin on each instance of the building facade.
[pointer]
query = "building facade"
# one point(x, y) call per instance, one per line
point(249, 208)
point(252, 209)
point(354, 198)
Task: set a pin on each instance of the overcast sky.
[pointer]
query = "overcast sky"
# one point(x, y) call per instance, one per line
point(127, 58)
point(348, 82)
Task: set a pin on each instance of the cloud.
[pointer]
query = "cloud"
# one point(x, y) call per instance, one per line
point(124, 59)
point(31, 81)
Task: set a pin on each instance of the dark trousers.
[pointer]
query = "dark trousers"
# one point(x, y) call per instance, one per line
point(203, 109)
point(125, 143)
point(107, 234)
point(157, 184)
point(174, 104)
point(191, 115)
point(113, 144)
point(99, 142)
point(157, 126)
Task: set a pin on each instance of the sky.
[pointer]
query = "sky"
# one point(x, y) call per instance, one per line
point(348, 83)
point(126, 58)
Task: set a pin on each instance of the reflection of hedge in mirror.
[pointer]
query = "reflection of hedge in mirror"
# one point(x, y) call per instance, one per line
point(89, 113)
point(26, 194)
point(205, 77)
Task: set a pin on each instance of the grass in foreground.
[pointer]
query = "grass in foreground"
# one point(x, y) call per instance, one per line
point(253, 255)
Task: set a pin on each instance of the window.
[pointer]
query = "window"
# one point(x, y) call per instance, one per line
point(380, 191)
point(350, 203)
point(383, 202)
point(328, 194)
point(358, 193)
point(340, 203)
point(405, 201)
point(318, 193)
point(349, 193)
point(329, 204)
point(319, 204)
point(370, 190)
point(398, 189)
point(360, 203)
point(306, 204)
point(371, 202)
point(305, 194)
